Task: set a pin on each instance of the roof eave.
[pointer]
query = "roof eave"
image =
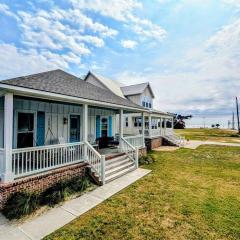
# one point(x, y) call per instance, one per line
point(61, 97)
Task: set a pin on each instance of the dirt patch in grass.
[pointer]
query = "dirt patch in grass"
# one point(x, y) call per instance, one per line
point(190, 194)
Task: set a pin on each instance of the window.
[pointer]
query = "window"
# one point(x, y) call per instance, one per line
point(137, 122)
point(150, 105)
point(154, 123)
point(143, 104)
point(25, 130)
point(104, 130)
point(126, 122)
point(74, 128)
point(147, 104)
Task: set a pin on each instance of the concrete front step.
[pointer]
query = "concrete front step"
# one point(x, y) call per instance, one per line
point(119, 169)
point(116, 167)
point(117, 164)
point(117, 159)
point(119, 174)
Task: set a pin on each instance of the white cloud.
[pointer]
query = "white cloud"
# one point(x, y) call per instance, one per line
point(146, 29)
point(5, 9)
point(14, 62)
point(235, 3)
point(204, 80)
point(117, 9)
point(129, 44)
point(123, 11)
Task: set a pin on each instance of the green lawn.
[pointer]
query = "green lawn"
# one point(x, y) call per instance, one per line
point(190, 194)
point(220, 135)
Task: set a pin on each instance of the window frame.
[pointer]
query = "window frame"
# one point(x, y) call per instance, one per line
point(15, 141)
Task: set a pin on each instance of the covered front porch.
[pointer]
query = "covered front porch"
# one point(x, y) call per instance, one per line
point(42, 134)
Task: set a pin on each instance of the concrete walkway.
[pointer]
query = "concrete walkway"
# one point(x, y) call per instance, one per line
point(42, 225)
point(194, 144)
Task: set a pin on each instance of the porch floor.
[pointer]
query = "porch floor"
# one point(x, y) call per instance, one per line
point(30, 229)
point(110, 152)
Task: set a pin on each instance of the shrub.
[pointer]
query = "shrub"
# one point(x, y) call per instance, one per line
point(55, 194)
point(79, 184)
point(148, 159)
point(20, 204)
point(23, 203)
point(61, 190)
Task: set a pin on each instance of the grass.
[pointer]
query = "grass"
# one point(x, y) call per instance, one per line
point(219, 135)
point(190, 194)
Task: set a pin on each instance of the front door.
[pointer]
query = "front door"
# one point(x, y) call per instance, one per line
point(74, 128)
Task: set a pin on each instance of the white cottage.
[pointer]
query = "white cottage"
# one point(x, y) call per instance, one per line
point(53, 125)
point(158, 125)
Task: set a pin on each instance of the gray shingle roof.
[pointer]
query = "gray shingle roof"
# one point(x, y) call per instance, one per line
point(135, 89)
point(58, 81)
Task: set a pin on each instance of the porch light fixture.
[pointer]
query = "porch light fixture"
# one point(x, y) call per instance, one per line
point(65, 120)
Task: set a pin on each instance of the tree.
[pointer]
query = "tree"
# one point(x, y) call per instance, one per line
point(213, 125)
point(178, 120)
point(217, 125)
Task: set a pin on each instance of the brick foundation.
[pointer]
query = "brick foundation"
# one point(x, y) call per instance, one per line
point(152, 143)
point(142, 152)
point(39, 183)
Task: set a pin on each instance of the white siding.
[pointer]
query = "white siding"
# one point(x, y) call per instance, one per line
point(91, 79)
point(138, 98)
point(135, 99)
point(93, 112)
point(147, 93)
point(1, 121)
point(54, 115)
point(54, 118)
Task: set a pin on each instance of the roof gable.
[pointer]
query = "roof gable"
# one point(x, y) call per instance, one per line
point(136, 89)
point(107, 83)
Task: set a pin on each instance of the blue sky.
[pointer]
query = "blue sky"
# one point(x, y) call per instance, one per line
point(189, 50)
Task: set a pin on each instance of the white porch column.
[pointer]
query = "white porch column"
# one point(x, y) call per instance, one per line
point(85, 128)
point(120, 128)
point(7, 174)
point(160, 122)
point(150, 125)
point(165, 125)
point(143, 129)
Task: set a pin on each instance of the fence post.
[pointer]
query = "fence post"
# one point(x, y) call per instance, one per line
point(103, 169)
point(136, 157)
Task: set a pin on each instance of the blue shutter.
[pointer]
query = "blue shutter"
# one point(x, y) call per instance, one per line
point(40, 128)
point(110, 126)
point(98, 127)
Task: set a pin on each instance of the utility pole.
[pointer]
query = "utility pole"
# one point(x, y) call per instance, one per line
point(238, 115)
point(204, 125)
point(233, 121)
point(229, 124)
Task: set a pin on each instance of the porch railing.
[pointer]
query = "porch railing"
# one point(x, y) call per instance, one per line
point(173, 137)
point(96, 161)
point(131, 151)
point(135, 141)
point(153, 132)
point(28, 161)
